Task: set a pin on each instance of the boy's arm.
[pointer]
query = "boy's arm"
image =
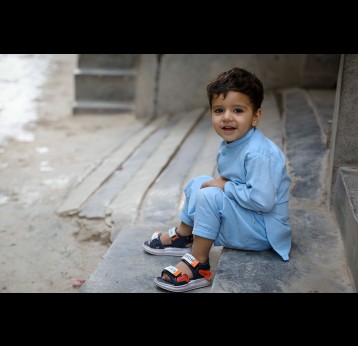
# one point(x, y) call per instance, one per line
point(217, 182)
point(263, 179)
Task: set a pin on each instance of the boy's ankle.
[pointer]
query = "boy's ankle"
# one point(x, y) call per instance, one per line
point(201, 259)
point(184, 230)
point(165, 238)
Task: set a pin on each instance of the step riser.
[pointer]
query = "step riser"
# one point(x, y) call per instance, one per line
point(345, 205)
point(108, 61)
point(104, 88)
point(104, 110)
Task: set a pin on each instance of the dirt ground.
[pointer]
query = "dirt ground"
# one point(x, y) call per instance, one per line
point(41, 251)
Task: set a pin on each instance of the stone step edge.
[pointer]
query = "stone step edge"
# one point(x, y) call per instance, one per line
point(96, 72)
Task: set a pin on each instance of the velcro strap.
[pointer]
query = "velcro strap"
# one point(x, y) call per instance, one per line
point(173, 270)
point(173, 234)
point(190, 260)
point(156, 235)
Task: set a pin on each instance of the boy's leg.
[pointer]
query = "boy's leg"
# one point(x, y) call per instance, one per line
point(193, 271)
point(171, 243)
point(208, 206)
point(217, 220)
point(187, 213)
point(185, 227)
point(201, 249)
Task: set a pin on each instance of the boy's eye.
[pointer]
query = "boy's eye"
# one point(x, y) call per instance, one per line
point(218, 110)
point(238, 110)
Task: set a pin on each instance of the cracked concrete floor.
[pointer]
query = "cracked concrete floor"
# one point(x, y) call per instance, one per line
point(44, 153)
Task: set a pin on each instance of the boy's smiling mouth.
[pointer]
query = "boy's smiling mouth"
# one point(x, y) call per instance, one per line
point(228, 129)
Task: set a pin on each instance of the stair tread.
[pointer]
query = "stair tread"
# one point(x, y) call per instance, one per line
point(314, 266)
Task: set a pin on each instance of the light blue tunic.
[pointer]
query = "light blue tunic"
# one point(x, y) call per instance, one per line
point(252, 212)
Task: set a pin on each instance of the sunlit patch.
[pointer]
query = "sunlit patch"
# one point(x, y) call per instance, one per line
point(44, 167)
point(29, 197)
point(57, 183)
point(21, 78)
point(3, 198)
point(24, 136)
point(42, 150)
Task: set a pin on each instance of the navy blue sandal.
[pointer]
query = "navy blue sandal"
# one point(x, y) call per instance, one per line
point(180, 244)
point(180, 282)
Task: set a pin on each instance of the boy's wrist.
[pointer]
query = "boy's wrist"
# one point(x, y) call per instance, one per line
point(223, 187)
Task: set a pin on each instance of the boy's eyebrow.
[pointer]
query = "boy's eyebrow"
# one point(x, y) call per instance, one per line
point(236, 105)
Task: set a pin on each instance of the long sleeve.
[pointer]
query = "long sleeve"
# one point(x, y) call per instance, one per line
point(259, 192)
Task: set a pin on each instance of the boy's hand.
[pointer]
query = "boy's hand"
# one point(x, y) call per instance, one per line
point(217, 182)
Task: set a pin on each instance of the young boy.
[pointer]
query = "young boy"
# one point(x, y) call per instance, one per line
point(245, 206)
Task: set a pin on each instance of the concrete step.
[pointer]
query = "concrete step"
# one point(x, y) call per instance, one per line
point(345, 205)
point(126, 268)
point(94, 107)
point(158, 204)
point(105, 83)
point(317, 262)
point(110, 85)
point(108, 61)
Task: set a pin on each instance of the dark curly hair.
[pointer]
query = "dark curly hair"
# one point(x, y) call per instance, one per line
point(237, 79)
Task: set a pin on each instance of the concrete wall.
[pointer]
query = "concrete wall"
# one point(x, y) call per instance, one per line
point(171, 83)
point(345, 118)
point(343, 166)
point(146, 98)
point(345, 206)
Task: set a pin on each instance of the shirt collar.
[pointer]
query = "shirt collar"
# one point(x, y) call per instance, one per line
point(241, 140)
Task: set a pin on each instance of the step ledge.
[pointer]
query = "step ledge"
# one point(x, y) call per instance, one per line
point(102, 107)
point(105, 72)
point(345, 206)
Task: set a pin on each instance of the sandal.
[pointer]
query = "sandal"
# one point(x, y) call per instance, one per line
point(178, 247)
point(180, 282)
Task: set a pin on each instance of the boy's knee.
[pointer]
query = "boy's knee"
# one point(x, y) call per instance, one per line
point(195, 183)
point(212, 196)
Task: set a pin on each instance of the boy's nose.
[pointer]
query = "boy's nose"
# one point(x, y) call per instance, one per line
point(227, 115)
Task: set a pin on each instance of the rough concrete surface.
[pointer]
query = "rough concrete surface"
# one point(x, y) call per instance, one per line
point(41, 251)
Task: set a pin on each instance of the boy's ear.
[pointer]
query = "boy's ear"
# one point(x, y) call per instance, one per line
point(257, 117)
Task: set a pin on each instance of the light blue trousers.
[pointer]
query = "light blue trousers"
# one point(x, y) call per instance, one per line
point(215, 216)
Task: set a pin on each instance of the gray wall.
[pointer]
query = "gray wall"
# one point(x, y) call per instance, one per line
point(345, 118)
point(343, 165)
point(171, 83)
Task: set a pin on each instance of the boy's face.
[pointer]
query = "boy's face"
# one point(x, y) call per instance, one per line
point(233, 116)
